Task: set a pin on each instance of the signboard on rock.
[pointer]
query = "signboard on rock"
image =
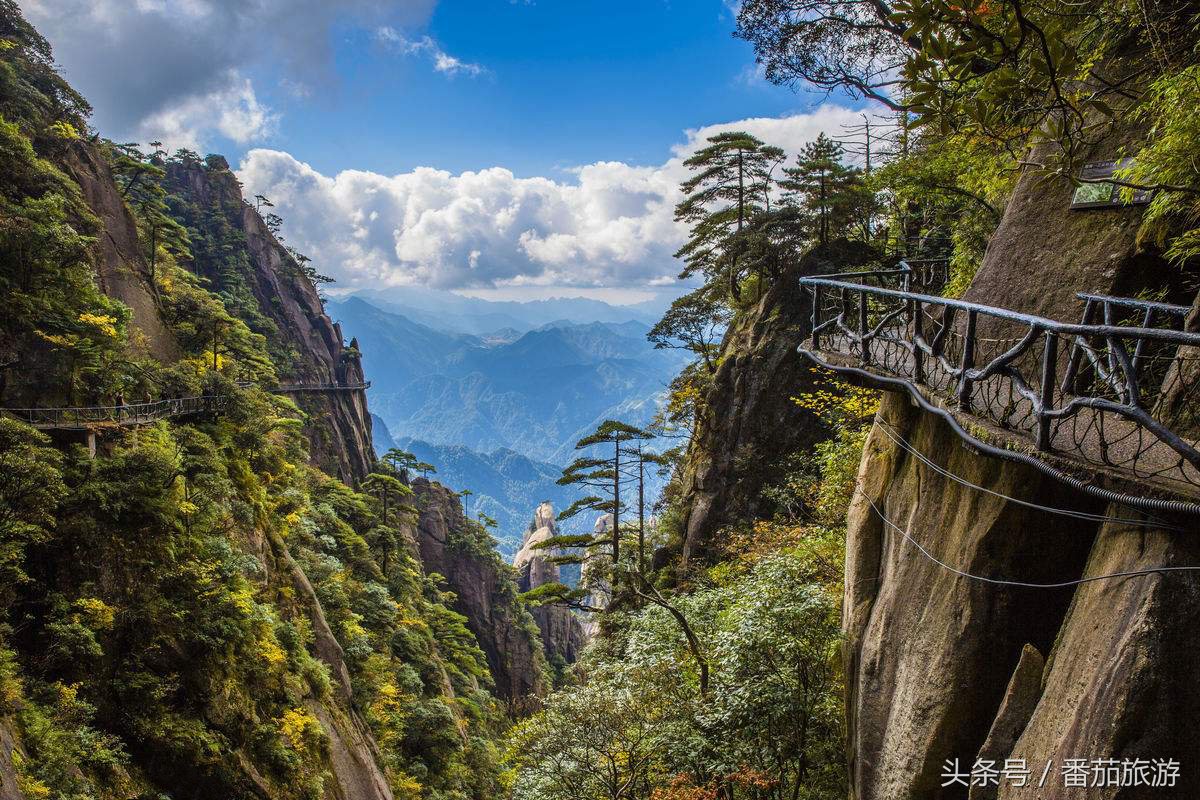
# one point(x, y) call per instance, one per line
point(1096, 192)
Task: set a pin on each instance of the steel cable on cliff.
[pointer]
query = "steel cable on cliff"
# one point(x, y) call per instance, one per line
point(888, 429)
point(1024, 584)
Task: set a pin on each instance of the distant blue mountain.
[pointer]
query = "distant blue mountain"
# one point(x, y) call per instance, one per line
point(537, 394)
point(504, 484)
point(500, 414)
point(451, 312)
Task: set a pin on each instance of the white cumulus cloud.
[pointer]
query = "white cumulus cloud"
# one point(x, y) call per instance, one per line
point(611, 224)
point(233, 110)
point(148, 65)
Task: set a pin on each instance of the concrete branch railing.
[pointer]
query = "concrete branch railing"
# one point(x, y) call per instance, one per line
point(1119, 391)
point(91, 417)
point(81, 418)
point(294, 388)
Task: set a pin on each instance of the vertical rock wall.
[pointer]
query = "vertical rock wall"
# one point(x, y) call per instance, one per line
point(1121, 680)
point(338, 425)
point(561, 631)
point(751, 423)
point(485, 593)
point(907, 618)
point(934, 659)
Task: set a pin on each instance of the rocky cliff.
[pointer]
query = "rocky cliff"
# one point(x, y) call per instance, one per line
point(485, 592)
point(192, 611)
point(751, 424)
point(263, 283)
point(338, 426)
point(1099, 670)
point(562, 633)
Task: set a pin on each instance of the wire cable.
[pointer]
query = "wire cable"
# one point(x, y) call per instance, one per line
point(1025, 584)
point(887, 428)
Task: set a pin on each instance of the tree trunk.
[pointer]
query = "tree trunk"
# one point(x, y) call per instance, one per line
point(616, 531)
point(641, 512)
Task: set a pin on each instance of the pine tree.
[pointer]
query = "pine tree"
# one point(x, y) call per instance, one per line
point(695, 322)
point(732, 184)
point(825, 189)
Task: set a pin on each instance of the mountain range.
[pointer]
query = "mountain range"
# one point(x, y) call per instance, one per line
point(503, 484)
point(499, 412)
point(536, 394)
point(450, 312)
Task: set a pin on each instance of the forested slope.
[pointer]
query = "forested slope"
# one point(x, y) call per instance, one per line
point(199, 610)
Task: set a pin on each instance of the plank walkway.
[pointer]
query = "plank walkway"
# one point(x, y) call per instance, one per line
point(86, 418)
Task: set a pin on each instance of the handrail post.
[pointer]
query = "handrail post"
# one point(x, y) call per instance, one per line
point(863, 327)
point(918, 326)
point(1049, 372)
point(1147, 322)
point(816, 315)
point(968, 362)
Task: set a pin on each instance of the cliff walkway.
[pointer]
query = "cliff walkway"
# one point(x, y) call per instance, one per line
point(297, 388)
point(85, 418)
point(1110, 401)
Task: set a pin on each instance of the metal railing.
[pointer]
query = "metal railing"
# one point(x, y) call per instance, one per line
point(292, 388)
point(88, 417)
point(1119, 390)
point(133, 414)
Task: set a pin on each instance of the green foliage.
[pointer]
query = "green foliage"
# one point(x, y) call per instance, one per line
point(985, 89)
point(218, 249)
point(829, 194)
point(639, 721)
point(402, 642)
point(54, 311)
point(30, 87)
point(694, 322)
point(1168, 161)
point(30, 489)
point(731, 185)
point(140, 178)
point(159, 629)
point(1013, 73)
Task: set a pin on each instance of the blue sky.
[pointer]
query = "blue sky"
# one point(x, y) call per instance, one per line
point(490, 146)
point(564, 83)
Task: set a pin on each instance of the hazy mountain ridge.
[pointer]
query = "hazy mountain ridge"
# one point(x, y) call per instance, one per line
point(501, 417)
point(537, 394)
point(447, 311)
point(503, 483)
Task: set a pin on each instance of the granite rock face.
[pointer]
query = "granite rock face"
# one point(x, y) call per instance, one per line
point(9, 745)
point(122, 270)
point(121, 273)
point(1118, 680)
point(307, 345)
point(752, 425)
point(562, 634)
point(1121, 682)
point(595, 581)
point(903, 612)
point(485, 593)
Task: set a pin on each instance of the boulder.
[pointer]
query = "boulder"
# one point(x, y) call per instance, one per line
point(1121, 680)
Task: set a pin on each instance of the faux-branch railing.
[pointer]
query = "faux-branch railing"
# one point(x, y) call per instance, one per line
point(87, 417)
point(1119, 390)
point(133, 414)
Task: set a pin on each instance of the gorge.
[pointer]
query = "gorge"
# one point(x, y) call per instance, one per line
point(894, 500)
